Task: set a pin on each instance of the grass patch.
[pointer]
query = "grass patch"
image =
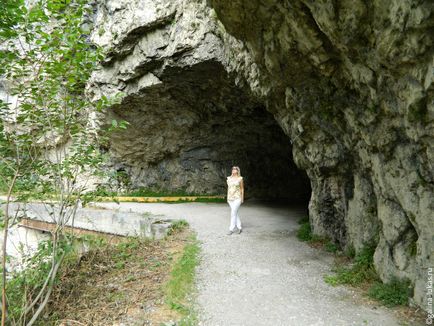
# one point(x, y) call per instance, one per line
point(181, 282)
point(192, 200)
point(102, 193)
point(394, 293)
point(177, 226)
point(117, 275)
point(331, 247)
point(200, 200)
point(304, 233)
point(24, 285)
point(131, 276)
point(145, 192)
point(350, 251)
point(360, 271)
point(303, 220)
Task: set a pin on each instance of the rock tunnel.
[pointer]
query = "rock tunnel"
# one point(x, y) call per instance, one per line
point(189, 125)
point(341, 90)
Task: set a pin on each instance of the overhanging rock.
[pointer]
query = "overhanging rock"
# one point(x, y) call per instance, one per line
point(190, 118)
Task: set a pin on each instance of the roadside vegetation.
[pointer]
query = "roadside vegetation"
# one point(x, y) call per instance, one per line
point(102, 195)
point(304, 233)
point(47, 145)
point(145, 192)
point(118, 280)
point(197, 200)
point(162, 195)
point(358, 271)
point(180, 287)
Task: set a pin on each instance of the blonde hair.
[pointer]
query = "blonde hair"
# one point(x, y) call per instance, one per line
point(238, 169)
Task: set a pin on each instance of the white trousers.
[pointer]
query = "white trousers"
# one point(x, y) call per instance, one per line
point(235, 219)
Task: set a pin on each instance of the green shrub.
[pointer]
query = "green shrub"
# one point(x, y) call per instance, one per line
point(304, 220)
point(103, 191)
point(304, 233)
point(361, 270)
point(394, 293)
point(24, 285)
point(350, 251)
point(331, 247)
point(365, 258)
point(145, 192)
point(177, 226)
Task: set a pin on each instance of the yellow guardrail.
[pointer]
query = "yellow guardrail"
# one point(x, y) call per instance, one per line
point(157, 199)
point(150, 199)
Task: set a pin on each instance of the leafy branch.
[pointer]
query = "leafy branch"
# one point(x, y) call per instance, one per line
point(48, 143)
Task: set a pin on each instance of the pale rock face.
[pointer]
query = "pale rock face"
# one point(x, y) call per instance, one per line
point(361, 222)
point(348, 94)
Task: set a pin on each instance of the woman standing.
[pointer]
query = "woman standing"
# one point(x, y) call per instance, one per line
point(235, 198)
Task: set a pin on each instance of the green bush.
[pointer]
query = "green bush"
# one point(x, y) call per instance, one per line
point(350, 251)
point(24, 286)
point(177, 226)
point(303, 220)
point(304, 233)
point(361, 270)
point(394, 293)
point(145, 192)
point(331, 247)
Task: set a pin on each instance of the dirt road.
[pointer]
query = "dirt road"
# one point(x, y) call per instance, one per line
point(265, 275)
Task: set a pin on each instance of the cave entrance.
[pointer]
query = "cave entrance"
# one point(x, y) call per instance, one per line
point(192, 124)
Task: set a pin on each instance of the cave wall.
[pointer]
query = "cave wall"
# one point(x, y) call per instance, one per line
point(349, 83)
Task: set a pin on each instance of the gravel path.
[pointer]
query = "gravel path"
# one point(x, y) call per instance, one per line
point(265, 275)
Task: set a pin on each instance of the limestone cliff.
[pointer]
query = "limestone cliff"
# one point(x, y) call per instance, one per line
point(347, 87)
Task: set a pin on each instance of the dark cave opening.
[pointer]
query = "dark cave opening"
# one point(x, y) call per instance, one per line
point(188, 130)
point(264, 155)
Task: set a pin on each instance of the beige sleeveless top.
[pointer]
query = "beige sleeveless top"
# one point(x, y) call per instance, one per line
point(234, 188)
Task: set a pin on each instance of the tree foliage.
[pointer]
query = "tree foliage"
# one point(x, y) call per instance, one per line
point(46, 60)
point(48, 143)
